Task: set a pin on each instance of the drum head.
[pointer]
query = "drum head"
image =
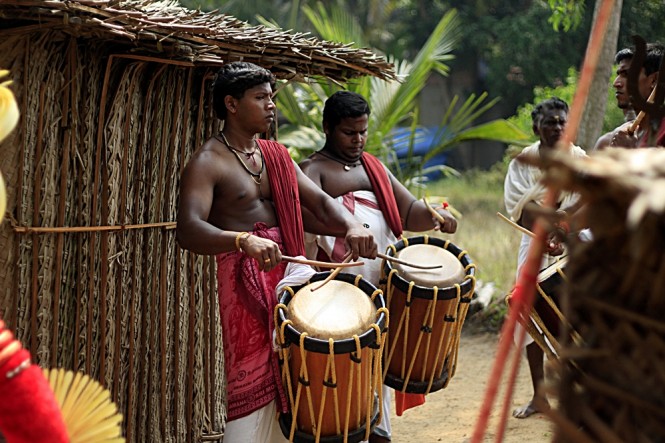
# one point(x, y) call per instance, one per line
point(338, 310)
point(451, 272)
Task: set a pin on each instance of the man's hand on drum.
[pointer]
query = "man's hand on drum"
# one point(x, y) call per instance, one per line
point(265, 252)
point(360, 242)
point(449, 223)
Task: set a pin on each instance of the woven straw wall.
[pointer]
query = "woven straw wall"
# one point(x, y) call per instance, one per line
point(101, 144)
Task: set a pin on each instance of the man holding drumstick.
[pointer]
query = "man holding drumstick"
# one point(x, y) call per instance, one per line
point(370, 192)
point(522, 187)
point(646, 82)
point(240, 200)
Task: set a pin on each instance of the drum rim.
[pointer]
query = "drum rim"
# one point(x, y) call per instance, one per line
point(343, 346)
point(425, 292)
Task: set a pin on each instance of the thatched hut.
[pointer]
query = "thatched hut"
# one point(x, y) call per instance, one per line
point(114, 99)
point(612, 383)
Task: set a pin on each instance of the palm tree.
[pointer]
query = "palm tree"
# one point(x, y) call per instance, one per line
point(393, 104)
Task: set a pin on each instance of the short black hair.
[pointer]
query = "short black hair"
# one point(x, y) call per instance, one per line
point(234, 79)
point(547, 105)
point(655, 52)
point(343, 104)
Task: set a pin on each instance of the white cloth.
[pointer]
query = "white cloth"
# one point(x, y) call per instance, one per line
point(521, 186)
point(295, 274)
point(365, 210)
point(261, 426)
point(523, 183)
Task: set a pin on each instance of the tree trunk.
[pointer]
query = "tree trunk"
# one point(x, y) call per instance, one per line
point(594, 110)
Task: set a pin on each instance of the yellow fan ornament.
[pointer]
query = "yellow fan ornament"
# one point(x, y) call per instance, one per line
point(87, 410)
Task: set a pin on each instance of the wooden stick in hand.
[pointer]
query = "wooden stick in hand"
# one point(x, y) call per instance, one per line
point(334, 273)
point(522, 229)
point(320, 264)
point(433, 212)
point(641, 115)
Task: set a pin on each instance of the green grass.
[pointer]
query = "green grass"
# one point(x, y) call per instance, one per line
point(491, 243)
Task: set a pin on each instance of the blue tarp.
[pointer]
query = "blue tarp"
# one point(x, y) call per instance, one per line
point(423, 142)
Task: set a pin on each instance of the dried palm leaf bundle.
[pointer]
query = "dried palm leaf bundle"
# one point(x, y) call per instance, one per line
point(612, 385)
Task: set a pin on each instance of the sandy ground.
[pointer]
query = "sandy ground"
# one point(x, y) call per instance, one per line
point(450, 414)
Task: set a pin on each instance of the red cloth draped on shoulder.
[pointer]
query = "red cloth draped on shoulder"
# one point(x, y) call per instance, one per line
point(383, 191)
point(281, 172)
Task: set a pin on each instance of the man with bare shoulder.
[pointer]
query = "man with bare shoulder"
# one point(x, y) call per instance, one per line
point(369, 191)
point(647, 80)
point(240, 200)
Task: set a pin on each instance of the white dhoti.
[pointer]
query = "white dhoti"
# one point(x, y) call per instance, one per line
point(260, 426)
point(522, 185)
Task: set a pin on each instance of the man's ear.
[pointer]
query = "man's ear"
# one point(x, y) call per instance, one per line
point(325, 128)
point(536, 129)
point(231, 103)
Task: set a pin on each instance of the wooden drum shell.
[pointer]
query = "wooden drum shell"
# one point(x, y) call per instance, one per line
point(415, 362)
point(361, 399)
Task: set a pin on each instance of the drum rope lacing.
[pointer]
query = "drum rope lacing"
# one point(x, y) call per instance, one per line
point(330, 375)
point(451, 334)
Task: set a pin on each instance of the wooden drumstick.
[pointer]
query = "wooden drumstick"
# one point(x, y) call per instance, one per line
point(642, 114)
point(433, 212)
point(333, 274)
point(321, 264)
point(406, 263)
point(522, 229)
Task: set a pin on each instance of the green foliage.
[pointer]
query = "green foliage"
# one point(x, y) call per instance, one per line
point(566, 13)
point(566, 92)
point(393, 104)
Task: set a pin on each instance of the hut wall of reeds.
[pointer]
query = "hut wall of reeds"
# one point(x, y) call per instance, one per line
point(114, 99)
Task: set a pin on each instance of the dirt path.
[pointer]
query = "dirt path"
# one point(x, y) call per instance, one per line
point(450, 415)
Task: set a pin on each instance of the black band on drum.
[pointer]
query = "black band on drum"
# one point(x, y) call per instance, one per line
point(424, 292)
point(303, 381)
point(329, 384)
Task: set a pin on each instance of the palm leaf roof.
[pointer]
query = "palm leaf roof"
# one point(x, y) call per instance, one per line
point(167, 30)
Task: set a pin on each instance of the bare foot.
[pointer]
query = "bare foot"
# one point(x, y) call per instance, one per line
point(374, 438)
point(533, 407)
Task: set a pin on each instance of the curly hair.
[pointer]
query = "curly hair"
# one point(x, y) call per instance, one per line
point(547, 105)
point(234, 79)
